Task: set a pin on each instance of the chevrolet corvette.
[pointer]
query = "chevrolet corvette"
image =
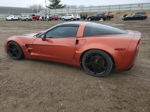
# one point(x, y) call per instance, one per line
point(97, 48)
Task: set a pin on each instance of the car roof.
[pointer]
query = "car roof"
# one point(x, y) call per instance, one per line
point(76, 23)
point(92, 25)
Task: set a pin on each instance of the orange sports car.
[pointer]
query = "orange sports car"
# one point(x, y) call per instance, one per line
point(97, 48)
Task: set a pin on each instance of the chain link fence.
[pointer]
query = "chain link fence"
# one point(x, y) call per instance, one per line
point(139, 6)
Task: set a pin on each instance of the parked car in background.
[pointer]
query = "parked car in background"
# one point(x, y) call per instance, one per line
point(144, 13)
point(62, 17)
point(71, 17)
point(100, 16)
point(53, 17)
point(59, 17)
point(135, 16)
point(83, 16)
point(26, 18)
point(109, 16)
point(12, 18)
point(35, 17)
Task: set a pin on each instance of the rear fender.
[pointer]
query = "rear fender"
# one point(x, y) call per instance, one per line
point(116, 55)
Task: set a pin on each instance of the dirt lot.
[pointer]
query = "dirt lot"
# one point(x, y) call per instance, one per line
point(38, 86)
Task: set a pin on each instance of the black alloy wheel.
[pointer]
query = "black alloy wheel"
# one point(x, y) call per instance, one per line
point(14, 51)
point(97, 63)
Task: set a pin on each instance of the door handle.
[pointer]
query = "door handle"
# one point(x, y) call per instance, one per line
point(77, 41)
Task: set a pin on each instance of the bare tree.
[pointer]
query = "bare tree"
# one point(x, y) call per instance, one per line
point(81, 6)
point(71, 6)
point(36, 8)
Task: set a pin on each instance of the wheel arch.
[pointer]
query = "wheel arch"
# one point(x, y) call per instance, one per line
point(18, 45)
point(12, 41)
point(114, 64)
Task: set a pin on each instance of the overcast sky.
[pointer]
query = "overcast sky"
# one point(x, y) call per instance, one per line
point(27, 3)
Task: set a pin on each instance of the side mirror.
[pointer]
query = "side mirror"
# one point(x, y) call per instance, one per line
point(43, 37)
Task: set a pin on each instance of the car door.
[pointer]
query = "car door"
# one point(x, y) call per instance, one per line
point(59, 43)
point(136, 16)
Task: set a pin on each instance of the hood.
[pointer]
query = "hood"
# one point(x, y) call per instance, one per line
point(30, 34)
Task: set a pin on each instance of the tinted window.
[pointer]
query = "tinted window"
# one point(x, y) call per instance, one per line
point(138, 14)
point(62, 32)
point(100, 14)
point(99, 29)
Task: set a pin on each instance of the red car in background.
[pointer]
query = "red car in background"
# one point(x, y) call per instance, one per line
point(53, 17)
point(109, 16)
point(97, 48)
point(35, 17)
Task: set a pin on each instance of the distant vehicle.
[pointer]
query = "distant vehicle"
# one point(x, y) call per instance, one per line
point(135, 16)
point(109, 16)
point(71, 17)
point(59, 16)
point(144, 13)
point(53, 17)
point(26, 18)
point(12, 18)
point(35, 17)
point(62, 17)
point(97, 17)
point(83, 16)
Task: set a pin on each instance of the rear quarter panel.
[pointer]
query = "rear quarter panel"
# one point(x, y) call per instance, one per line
point(115, 45)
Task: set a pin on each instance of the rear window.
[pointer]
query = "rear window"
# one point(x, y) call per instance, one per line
point(99, 29)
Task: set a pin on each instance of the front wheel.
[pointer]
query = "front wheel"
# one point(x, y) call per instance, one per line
point(14, 51)
point(89, 19)
point(72, 19)
point(97, 63)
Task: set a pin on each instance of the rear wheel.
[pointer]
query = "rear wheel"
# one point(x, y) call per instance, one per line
point(97, 63)
point(14, 51)
point(89, 19)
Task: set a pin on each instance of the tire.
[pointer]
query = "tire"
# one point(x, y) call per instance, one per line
point(108, 18)
point(104, 19)
point(97, 63)
point(14, 51)
point(89, 19)
point(101, 19)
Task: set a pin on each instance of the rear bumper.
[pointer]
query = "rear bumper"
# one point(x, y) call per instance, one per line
point(130, 55)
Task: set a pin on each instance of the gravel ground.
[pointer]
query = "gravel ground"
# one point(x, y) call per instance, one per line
point(39, 86)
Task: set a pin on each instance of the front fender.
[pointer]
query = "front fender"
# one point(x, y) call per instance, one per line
point(21, 41)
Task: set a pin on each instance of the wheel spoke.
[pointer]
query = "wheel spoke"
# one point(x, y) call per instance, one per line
point(13, 51)
point(96, 63)
point(89, 63)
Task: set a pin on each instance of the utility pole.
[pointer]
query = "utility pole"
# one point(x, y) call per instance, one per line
point(45, 7)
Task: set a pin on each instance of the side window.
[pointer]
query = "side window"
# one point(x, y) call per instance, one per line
point(62, 32)
point(92, 31)
point(99, 29)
